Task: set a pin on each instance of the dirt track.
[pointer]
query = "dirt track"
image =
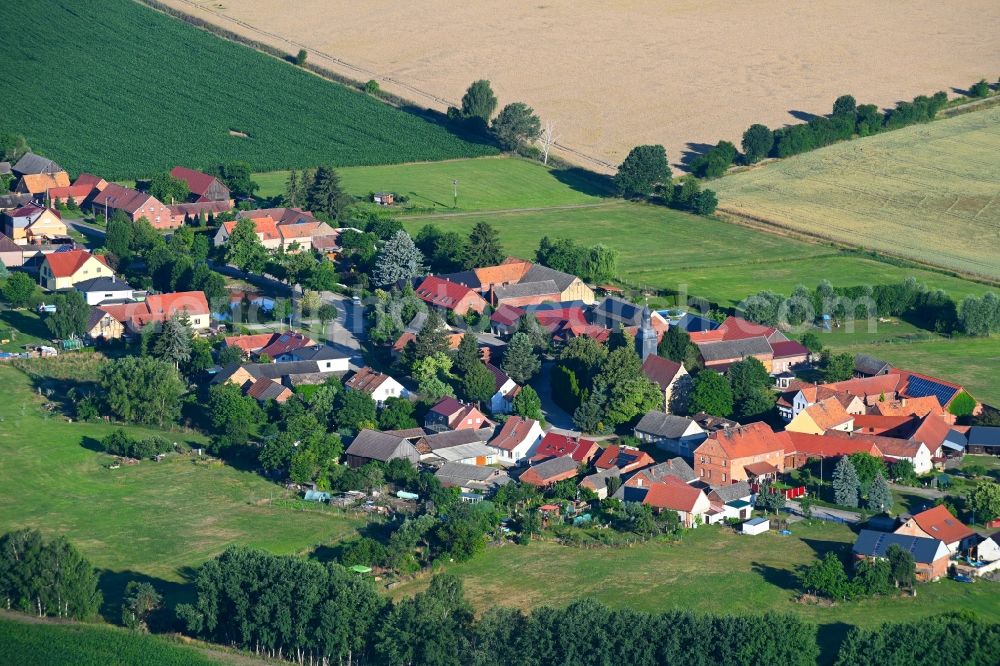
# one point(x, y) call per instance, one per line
point(612, 75)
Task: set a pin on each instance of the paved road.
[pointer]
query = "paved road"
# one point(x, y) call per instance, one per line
point(560, 421)
point(824, 512)
point(88, 230)
point(929, 493)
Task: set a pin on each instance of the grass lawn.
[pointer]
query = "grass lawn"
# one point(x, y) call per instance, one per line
point(483, 184)
point(28, 329)
point(712, 569)
point(971, 361)
point(723, 262)
point(152, 519)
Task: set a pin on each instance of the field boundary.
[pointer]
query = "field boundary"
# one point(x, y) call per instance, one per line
point(781, 229)
point(392, 99)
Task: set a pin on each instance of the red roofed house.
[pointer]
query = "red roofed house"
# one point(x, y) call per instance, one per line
point(266, 228)
point(741, 452)
point(38, 184)
point(450, 295)
point(788, 354)
point(625, 458)
point(203, 187)
point(806, 446)
point(908, 407)
point(517, 439)
point(134, 204)
point(450, 414)
point(62, 270)
point(554, 445)
point(157, 308)
point(668, 493)
point(249, 344)
point(285, 342)
point(200, 210)
point(673, 380)
point(62, 195)
point(938, 523)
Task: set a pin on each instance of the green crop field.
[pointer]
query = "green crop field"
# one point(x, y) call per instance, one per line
point(927, 192)
point(712, 569)
point(483, 184)
point(113, 87)
point(51, 644)
point(716, 260)
point(152, 519)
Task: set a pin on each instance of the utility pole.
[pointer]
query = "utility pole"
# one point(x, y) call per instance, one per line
point(455, 195)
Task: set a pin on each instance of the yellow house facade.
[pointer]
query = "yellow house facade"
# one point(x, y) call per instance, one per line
point(62, 270)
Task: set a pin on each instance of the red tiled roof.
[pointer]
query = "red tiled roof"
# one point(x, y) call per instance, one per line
point(286, 342)
point(158, 308)
point(197, 182)
point(447, 406)
point(828, 413)
point(118, 197)
point(750, 440)
point(891, 447)
point(554, 445)
point(932, 431)
point(788, 348)
point(90, 179)
point(660, 370)
point(673, 494)
point(366, 380)
point(822, 446)
point(443, 293)
point(509, 272)
point(39, 183)
point(250, 343)
point(507, 315)
point(513, 433)
point(66, 264)
point(78, 192)
point(868, 385)
point(908, 406)
point(939, 524)
point(625, 458)
point(264, 226)
point(890, 426)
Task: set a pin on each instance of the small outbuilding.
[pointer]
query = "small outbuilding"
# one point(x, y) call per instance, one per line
point(756, 526)
point(384, 198)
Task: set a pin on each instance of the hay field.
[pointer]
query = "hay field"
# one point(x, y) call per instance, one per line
point(616, 74)
point(926, 192)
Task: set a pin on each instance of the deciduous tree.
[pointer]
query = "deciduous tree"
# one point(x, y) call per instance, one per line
point(479, 101)
point(516, 124)
point(644, 169)
point(757, 143)
point(711, 394)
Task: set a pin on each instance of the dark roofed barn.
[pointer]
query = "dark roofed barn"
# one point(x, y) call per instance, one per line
point(372, 445)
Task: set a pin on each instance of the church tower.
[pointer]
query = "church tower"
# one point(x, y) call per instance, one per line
point(645, 341)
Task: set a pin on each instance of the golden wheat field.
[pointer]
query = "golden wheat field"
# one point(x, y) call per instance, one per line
point(927, 192)
point(612, 75)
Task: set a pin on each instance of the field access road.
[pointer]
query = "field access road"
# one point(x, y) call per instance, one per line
point(825, 512)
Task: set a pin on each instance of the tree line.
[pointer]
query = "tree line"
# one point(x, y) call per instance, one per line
point(846, 120)
point(303, 610)
point(645, 174)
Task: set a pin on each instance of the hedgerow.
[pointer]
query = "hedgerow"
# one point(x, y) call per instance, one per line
point(115, 88)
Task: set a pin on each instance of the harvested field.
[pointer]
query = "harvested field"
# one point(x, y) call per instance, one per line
point(926, 192)
point(612, 75)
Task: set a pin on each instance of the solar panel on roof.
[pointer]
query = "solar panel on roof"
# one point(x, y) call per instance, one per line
point(921, 388)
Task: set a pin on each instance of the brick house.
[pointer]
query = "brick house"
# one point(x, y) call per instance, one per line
point(157, 308)
point(135, 204)
point(739, 453)
point(550, 472)
point(517, 439)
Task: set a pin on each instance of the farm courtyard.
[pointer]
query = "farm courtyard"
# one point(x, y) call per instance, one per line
point(683, 73)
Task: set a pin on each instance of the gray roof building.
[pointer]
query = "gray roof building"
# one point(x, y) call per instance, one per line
point(924, 551)
point(675, 467)
point(539, 273)
point(473, 477)
point(31, 163)
point(731, 492)
point(525, 289)
point(374, 445)
point(613, 311)
point(102, 284)
point(661, 424)
point(729, 349)
point(869, 366)
point(985, 436)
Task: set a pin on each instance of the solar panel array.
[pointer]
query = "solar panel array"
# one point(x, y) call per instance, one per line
point(921, 388)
